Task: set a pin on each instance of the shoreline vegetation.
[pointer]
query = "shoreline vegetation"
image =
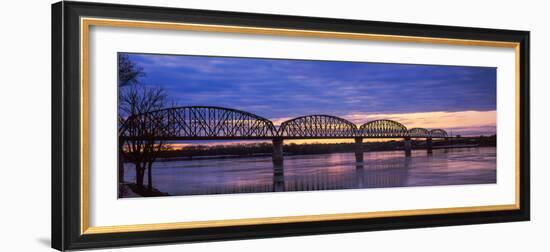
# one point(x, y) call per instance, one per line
point(265, 149)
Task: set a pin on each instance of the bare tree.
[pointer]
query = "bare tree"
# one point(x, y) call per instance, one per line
point(128, 71)
point(143, 126)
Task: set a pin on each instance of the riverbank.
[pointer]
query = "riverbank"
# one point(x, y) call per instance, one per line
point(131, 190)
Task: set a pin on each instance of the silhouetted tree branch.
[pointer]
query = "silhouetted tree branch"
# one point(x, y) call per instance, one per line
point(136, 102)
point(128, 71)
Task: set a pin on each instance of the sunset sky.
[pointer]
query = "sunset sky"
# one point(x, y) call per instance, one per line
point(460, 99)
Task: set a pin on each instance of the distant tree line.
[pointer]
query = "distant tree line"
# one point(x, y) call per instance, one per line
point(247, 149)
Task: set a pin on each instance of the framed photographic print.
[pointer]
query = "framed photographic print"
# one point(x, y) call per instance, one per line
point(180, 125)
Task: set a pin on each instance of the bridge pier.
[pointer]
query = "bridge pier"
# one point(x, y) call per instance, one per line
point(407, 146)
point(277, 157)
point(429, 145)
point(278, 168)
point(358, 149)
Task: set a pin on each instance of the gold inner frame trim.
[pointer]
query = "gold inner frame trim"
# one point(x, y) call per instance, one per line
point(289, 219)
point(85, 24)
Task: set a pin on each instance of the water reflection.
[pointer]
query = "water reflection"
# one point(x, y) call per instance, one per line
point(278, 177)
point(383, 174)
point(324, 172)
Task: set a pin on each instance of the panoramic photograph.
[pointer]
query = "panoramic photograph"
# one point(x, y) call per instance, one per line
point(205, 125)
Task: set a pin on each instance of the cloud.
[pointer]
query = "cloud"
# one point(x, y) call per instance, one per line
point(282, 89)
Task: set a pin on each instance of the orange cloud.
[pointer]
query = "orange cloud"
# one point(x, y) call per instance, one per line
point(430, 120)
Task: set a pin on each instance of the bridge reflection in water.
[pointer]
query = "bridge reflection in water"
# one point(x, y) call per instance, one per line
point(302, 173)
point(374, 174)
point(217, 123)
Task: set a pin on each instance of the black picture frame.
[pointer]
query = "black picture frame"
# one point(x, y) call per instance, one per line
point(66, 125)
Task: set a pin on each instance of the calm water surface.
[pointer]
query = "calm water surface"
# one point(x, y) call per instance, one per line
point(324, 172)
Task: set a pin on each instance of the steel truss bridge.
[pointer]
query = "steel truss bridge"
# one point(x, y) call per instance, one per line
point(218, 123)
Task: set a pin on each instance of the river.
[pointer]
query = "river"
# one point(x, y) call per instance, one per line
point(324, 172)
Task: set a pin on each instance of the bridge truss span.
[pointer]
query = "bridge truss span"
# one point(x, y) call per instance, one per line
point(383, 128)
point(317, 126)
point(438, 133)
point(218, 123)
point(205, 122)
point(419, 133)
